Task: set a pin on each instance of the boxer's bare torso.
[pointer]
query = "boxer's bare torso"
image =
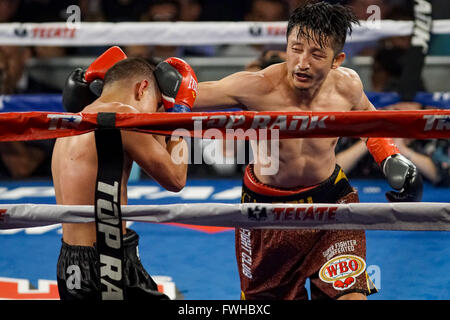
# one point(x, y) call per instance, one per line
point(74, 169)
point(302, 162)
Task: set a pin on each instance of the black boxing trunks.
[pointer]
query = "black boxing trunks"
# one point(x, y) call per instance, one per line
point(275, 263)
point(78, 278)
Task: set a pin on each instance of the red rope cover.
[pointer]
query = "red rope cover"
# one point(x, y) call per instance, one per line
point(423, 124)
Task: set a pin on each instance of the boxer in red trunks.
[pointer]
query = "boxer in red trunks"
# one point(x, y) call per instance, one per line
point(273, 264)
point(299, 254)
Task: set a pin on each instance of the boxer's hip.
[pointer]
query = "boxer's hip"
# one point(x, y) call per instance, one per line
point(332, 190)
point(78, 277)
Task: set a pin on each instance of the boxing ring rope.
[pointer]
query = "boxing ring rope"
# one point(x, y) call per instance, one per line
point(431, 216)
point(184, 33)
point(383, 216)
point(421, 124)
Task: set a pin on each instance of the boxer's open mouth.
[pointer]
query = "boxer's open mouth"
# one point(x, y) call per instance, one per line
point(302, 77)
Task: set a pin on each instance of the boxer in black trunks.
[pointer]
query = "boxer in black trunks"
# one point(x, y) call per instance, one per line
point(311, 79)
point(130, 85)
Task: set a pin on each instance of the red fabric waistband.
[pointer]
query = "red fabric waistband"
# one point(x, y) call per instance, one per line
point(255, 185)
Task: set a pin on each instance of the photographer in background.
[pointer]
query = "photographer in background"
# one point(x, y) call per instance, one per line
point(22, 159)
point(266, 59)
point(430, 156)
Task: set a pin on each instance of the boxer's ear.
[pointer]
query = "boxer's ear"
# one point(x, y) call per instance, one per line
point(140, 89)
point(338, 60)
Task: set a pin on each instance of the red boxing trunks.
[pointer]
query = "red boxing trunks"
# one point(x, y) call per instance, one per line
point(275, 263)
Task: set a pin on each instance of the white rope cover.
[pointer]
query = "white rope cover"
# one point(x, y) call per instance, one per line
point(430, 216)
point(183, 33)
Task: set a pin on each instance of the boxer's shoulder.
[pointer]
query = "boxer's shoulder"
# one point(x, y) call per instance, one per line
point(347, 83)
point(246, 85)
point(268, 79)
point(347, 76)
point(275, 72)
point(110, 107)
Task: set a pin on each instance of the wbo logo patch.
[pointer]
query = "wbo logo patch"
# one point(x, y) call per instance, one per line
point(342, 270)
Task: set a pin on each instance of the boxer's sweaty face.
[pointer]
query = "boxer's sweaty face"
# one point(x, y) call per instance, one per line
point(308, 63)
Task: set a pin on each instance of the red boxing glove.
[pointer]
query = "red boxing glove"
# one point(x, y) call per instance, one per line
point(82, 87)
point(98, 68)
point(178, 84)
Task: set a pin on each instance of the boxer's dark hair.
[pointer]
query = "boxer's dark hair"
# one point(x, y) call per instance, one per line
point(130, 68)
point(323, 23)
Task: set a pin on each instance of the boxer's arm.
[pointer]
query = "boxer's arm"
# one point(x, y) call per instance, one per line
point(156, 160)
point(400, 172)
point(233, 91)
point(364, 104)
point(359, 99)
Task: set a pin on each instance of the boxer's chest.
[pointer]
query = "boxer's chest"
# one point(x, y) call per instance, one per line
point(280, 99)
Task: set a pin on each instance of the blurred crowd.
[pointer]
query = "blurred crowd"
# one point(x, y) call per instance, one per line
point(32, 159)
point(188, 10)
